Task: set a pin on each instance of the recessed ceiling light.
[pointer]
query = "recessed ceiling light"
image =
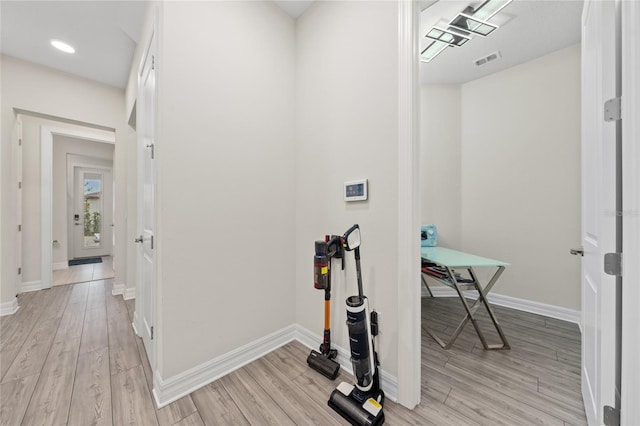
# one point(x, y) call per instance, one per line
point(61, 45)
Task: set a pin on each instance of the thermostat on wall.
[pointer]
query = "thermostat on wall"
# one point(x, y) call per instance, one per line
point(355, 190)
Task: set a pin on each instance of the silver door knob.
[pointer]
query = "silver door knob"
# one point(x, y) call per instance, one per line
point(577, 252)
point(139, 239)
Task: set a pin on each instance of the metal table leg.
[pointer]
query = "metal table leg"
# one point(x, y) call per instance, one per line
point(471, 311)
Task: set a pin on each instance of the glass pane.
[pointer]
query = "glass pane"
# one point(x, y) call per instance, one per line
point(92, 210)
point(433, 50)
point(489, 8)
point(447, 36)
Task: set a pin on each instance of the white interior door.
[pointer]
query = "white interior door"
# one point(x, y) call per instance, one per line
point(599, 197)
point(92, 215)
point(146, 291)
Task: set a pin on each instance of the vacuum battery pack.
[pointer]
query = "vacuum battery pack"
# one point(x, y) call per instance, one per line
point(323, 365)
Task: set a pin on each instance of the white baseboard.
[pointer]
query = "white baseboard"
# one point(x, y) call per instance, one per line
point(176, 387)
point(9, 308)
point(117, 289)
point(61, 265)
point(388, 382)
point(167, 391)
point(552, 311)
point(30, 286)
point(129, 293)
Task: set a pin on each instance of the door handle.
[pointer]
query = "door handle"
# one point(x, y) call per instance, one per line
point(77, 223)
point(139, 239)
point(577, 252)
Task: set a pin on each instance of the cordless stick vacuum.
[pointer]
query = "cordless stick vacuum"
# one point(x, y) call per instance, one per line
point(323, 361)
point(360, 404)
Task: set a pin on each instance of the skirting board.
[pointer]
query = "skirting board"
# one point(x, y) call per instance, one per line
point(9, 308)
point(558, 312)
point(61, 265)
point(167, 391)
point(30, 286)
point(117, 289)
point(129, 293)
point(170, 390)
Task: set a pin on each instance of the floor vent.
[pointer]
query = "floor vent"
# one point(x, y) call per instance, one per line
point(491, 57)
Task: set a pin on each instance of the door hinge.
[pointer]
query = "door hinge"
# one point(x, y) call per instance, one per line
point(153, 149)
point(19, 185)
point(19, 228)
point(152, 242)
point(19, 141)
point(19, 271)
point(151, 332)
point(153, 62)
point(611, 416)
point(613, 264)
point(613, 109)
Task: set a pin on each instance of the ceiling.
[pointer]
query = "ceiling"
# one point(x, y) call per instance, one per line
point(528, 29)
point(104, 34)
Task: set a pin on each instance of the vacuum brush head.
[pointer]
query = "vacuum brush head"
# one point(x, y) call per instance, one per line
point(323, 365)
point(352, 410)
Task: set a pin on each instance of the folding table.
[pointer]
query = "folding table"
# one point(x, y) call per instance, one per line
point(451, 260)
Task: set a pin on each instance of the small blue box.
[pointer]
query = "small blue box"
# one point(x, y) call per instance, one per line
point(429, 235)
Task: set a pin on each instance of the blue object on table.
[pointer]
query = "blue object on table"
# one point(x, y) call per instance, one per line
point(429, 235)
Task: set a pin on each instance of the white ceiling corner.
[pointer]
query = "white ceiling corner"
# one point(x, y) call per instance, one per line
point(294, 8)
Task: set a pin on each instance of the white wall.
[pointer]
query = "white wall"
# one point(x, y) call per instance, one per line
point(39, 89)
point(62, 147)
point(521, 175)
point(346, 129)
point(225, 161)
point(440, 175)
point(515, 143)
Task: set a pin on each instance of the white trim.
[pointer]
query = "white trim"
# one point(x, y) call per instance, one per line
point(178, 386)
point(61, 265)
point(630, 386)
point(408, 254)
point(30, 286)
point(129, 293)
point(46, 189)
point(9, 308)
point(167, 391)
point(551, 311)
point(117, 289)
point(388, 382)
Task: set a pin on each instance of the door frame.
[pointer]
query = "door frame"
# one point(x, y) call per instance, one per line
point(408, 255)
point(630, 384)
point(46, 190)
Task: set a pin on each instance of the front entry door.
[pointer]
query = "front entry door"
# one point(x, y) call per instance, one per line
point(92, 215)
point(600, 71)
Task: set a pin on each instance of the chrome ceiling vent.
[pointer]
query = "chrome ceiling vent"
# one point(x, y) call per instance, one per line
point(490, 57)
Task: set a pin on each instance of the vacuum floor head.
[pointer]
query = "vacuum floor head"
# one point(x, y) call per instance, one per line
point(323, 365)
point(352, 410)
point(355, 412)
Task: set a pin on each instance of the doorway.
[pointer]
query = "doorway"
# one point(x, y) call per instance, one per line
point(498, 168)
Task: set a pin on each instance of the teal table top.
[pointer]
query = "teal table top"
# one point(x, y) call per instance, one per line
point(457, 259)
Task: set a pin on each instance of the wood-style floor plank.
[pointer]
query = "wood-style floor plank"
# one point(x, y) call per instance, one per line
point(91, 398)
point(14, 399)
point(216, 406)
point(192, 420)
point(131, 399)
point(176, 411)
point(52, 396)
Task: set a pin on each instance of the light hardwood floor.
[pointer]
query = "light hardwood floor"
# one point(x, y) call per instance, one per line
point(84, 273)
point(69, 356)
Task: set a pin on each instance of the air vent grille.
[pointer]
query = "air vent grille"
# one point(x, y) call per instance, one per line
point(486, 59)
